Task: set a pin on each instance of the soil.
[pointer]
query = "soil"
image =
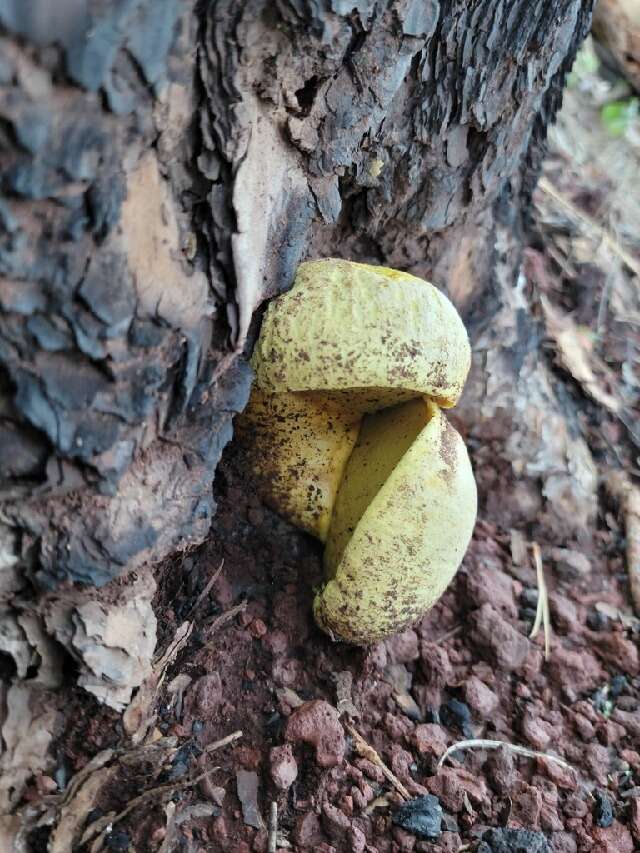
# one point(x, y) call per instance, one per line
point(467, 670)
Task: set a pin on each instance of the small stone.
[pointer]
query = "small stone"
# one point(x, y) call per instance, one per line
point(456, 714)
point(513, 841)
point(584, 727)
point(536, 731)
point(634, 817)
point(249, 757)
point(631, 757)
point(529, 597)
point(317, 723)
point(360, 802)
point(570, 565)
point(430, 739)
point(449, 823)
point(563, 777)
point(603, 809)
point(257, 629)
point(493, 587)
point(577, 669)
point(450, 842)
point(346, 804)
point(370, 770)
point(610, 732)
point(405, 842)
point(335, 823)
point(455, 786)
point(575, 806)
point(436, 665)
point(613, 839)
point(631, 722)
point(597, 621)
point(398, 728)
point(247, 786)
point(307, 831)
point(403, 647)
point(563, 842)
point(619, 684)
point(492, 631)
point(618, 651)
point(564, 613)
point(597, 759)
point(277, 642)
point(501, 770)
point(218, 794)
point(480, 698)
point(526, 805)
point(421, 817)
point(358, 840)
point(283, 767)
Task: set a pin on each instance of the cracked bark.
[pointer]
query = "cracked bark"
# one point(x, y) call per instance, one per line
point(165, 167)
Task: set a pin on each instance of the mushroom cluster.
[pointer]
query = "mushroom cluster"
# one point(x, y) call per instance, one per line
point(349, 441)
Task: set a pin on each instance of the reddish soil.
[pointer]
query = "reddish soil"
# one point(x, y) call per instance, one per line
point(271, 673)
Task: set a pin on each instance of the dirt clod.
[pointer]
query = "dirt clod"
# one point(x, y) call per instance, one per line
point(283, 767)
point(513, 841)
point(613, 839)
point(492, 631)
point(603, 810)
point(421, 817)
point(480, 698)
point(455, 714)
point(317, 723)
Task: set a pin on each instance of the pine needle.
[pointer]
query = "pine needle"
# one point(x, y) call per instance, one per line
point(542, 611)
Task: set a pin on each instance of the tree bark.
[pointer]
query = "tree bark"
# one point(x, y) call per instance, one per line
point(167, 165)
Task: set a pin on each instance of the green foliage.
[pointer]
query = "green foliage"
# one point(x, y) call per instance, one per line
point(620, 115)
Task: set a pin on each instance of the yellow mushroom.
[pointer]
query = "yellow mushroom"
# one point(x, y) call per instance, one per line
point(349, 442)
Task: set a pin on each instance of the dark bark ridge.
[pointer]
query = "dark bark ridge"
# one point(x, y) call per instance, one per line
point(110, 424)
point(144, 221)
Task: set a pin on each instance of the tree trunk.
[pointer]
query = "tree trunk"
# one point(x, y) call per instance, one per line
point(165, 167)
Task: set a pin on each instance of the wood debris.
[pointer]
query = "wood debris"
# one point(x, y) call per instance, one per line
point(366, 751)
point(628, 496)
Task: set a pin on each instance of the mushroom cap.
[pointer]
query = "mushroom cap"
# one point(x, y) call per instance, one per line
point(404, 540)
point(371, 334)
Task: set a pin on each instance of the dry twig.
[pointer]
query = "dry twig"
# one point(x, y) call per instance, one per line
point(368, 752)
point(180, 639)
point(103, 823)
point(225, 741)
point(100, 826)
point(497, 744)
point(225, 617)
point(207, 589)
